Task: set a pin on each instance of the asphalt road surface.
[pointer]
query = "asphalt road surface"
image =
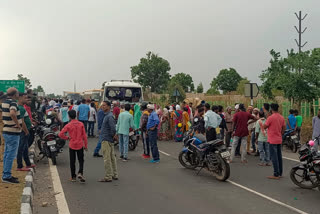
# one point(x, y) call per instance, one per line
point(167, 187)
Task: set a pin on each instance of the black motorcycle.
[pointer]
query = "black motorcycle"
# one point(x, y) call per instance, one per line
point(48, 141)
point(307, 173)
point(291, 140)
point(133, 140)
point(212, 155)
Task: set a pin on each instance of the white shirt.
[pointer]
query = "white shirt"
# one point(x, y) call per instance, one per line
point(93, 115)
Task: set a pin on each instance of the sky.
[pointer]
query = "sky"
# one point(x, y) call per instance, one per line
point(57, 43)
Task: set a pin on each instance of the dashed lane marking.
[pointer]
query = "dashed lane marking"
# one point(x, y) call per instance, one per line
point(164, 153)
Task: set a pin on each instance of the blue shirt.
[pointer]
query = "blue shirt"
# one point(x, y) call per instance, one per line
point(64, 114)
point(293, 121)
point(83, 110)
point(108, 129)
point(153, 120)
point(101, 115)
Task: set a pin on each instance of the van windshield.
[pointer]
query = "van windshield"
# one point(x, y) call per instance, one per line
point(123, 94)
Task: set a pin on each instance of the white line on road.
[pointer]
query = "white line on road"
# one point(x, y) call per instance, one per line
point(290, 159)
point(164, 153)
point(59, 194)
point(268, 198)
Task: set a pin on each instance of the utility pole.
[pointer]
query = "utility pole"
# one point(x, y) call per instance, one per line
point(300, 32)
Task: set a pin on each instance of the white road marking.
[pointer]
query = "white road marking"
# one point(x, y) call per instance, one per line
point(290, 159)
point(268, 198)
point(59, 194)
point(260, 194)
point(164, 153)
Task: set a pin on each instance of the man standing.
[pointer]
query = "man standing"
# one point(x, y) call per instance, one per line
point(11, 133)
point(299, 122)
point(116, 110)
point(125, 122)
point(240, 125)
point(228, 118)
point(316, 130)
point(276, 126)
point(2, 98)
point(143, 128)
point(83, 114)
point(92, 120)
point(212, 121)
point(152, 125)
point(101, 115)
point(24, 136)
point(108, 135)
point(291, 121)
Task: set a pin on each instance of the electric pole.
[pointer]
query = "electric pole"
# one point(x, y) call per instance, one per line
point(300, 32)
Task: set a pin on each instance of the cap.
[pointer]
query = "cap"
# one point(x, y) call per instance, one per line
point(150, 106)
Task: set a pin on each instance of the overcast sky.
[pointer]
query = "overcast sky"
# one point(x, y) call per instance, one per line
point(55, 43)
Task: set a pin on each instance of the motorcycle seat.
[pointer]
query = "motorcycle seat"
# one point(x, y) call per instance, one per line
point(215, 142)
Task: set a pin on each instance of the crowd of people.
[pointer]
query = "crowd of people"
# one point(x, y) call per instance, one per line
point(246, 131)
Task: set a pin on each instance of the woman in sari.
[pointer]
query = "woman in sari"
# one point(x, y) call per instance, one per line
point(172, 123)
point(177, 116)
point(185, 120)
point(164, 125)
point(178, 136)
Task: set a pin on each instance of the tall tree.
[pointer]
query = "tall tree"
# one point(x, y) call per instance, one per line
point(297, 75)
point(241, 86)
point(184, 80)
point(227, 80)
point(152, 72)
point(27, 81)
point(200, 88)
point(38, 89)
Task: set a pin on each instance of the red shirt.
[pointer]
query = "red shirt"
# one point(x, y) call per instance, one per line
point(116, 112)
point(28, 109)
point(70, 108)
point(275, 123)
point(240, 120)
point(78, 137)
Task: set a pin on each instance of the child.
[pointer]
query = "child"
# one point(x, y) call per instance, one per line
point(77, 143)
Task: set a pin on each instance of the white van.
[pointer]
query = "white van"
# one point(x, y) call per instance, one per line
point(123, 91)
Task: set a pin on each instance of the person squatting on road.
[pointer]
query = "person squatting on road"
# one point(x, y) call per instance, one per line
point(276, 126)
point(77, 143)
point(108, 135)
point(124, 124)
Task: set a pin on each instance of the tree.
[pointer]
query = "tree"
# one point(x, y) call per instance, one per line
point(297, 75)
point(171, 89)
point(241, 86)
point(227, 80)
point(152, 72)
point(184, 80)
point(38, 89)
point(27, 81)
point(200, 88)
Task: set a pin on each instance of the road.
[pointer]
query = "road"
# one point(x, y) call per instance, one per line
point(167, 187)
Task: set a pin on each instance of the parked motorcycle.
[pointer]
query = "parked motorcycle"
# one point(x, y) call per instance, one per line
point(48, 140)
point(211, 155)
point(291, 140)
point(133, 140)
point(307, 173)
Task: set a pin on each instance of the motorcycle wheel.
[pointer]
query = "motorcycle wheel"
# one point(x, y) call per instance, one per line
point(294, 147)
point(54, 158)
point(303, 175)
point(185, 159)
point(223, 171)
point(132, 145)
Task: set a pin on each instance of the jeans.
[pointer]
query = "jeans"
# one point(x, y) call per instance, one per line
point(98, 147)
point(276, 158)
point(10, 153)
point(264, 151)
point(91, 128)
point(236, 140)
point(123, 145)
point(146, 144)
point(109, 159)
point(85, 123)
point(73, 153)
point(253, 140)
point(23, 151)
point(153, 143)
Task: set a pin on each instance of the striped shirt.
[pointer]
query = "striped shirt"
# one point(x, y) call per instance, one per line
point(9, 124)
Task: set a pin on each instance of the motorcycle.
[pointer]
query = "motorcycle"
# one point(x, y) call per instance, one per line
point(211, 155)
point(291, 140)
point(48, 141)
point(133, 140)
point(307, 173)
